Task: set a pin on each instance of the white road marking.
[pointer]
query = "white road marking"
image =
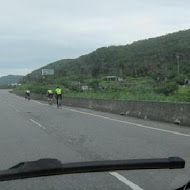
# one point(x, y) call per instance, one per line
point(35, 101)
point(45, 104)
point(126, 181)
point(38, 102)
point(130, 123)
point(121, 178)
point(15, 109)
point(38, 124)
point(17, 96)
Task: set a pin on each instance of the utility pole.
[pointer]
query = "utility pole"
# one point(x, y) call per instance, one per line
point(177, 56)
point(102, 65)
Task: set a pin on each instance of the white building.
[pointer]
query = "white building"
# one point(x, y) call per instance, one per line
point(114, 78)
point(187, 81)
point(84, 87)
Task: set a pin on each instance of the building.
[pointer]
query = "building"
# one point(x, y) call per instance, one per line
point(84, 87)
point(187, 81)
point(76, 83)
point(120, 79)
point(114, 78)
point(15, 84)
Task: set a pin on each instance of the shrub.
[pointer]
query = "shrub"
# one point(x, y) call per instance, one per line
point(180, 79)
point(166, 88)
point(94, 84)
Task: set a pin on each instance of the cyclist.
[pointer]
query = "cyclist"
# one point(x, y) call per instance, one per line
point(58, 93)
point(27, 94)
point(50, 96)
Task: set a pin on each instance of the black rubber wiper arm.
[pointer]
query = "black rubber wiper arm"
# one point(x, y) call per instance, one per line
point(49, 167)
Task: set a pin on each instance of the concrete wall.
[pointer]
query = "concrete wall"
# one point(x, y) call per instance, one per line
point(158, 111)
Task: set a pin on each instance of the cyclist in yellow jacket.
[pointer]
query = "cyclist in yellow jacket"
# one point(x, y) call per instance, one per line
point(50, 96)
point(58, 94)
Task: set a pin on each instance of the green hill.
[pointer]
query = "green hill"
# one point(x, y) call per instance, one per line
point(10, 79)
point(155, 57)
point(153, 69)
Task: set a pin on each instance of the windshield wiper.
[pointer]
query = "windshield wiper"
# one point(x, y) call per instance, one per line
point(49, 167)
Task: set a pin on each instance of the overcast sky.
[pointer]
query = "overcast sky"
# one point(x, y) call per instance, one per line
point(34, 33)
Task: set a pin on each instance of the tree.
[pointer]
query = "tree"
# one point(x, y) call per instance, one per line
point(95, 72)
point(166, 88)
point(94, 84)
point(180, 79)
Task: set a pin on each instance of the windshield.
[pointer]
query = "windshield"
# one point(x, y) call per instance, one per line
point(93, 81)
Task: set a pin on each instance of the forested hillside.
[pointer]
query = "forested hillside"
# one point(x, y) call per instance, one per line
point(164, 57)
point(10, 79)
point(152, 69)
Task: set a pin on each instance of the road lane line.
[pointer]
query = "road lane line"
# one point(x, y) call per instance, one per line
point(38, 124)
point(126, 122)
point(38, 102)
point(35, 101)
point(126, 181)
point(130, 123)
point(15, 109)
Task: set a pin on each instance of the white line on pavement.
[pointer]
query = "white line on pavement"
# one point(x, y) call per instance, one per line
point(126, 122)
point(115, 174)
point(35, 101)
point(121, 178)
point(126, 181)
point(130, 123)
point(134, 124)
point(38, 102)
point(38, 124)
point(15, 109)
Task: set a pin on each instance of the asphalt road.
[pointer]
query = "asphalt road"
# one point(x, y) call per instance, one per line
point(30, 130)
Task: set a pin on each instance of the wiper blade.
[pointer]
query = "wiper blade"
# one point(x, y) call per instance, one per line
point(49, 167)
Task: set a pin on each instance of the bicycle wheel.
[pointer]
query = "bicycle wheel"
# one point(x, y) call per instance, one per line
point(59, 102)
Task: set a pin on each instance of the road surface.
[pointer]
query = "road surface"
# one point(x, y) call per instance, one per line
point(30, 130)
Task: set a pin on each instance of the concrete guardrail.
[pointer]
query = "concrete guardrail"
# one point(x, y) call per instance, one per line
point(178, 113)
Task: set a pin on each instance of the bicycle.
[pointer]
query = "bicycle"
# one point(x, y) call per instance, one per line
point(59, 102)
point(27, 96)
point(50, 101)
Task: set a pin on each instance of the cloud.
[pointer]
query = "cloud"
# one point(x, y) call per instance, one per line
point(35, 33)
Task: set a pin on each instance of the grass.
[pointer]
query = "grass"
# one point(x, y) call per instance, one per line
point(131, 89)
point(129, 96)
